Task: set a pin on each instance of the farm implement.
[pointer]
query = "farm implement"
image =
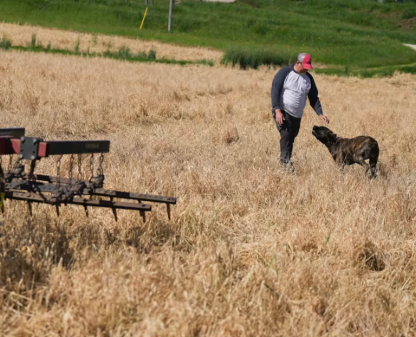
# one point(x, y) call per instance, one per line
point(19, 184)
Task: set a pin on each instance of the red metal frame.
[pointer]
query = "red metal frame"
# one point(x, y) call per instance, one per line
point(11, 145)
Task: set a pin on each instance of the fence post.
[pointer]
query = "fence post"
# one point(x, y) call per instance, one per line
point(170, 15)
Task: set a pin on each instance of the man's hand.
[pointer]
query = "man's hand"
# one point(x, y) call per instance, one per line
point(324, 119)
point(279, 117)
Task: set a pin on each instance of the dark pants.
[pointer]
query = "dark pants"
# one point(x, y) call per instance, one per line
point(288, 132)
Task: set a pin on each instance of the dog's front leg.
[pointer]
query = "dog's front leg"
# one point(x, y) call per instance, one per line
point(340, 163)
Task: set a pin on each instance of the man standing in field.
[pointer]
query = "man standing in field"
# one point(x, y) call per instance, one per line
point(290, 88)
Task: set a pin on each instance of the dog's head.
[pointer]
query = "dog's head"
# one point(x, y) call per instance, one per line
point(324, 135)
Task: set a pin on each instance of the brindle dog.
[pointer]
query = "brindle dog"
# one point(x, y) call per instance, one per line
point(347, 151)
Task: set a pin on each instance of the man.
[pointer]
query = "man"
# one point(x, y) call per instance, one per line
point(291, 86)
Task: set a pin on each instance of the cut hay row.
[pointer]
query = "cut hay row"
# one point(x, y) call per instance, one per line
point(251, 250)
point(21, 35)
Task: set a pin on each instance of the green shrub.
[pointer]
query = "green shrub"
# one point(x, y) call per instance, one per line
point(254, 57)
point(152, 54)
point(108, 53)
point(409, 13)
point(141, 55)
point(5, 43)
point(124, 52)
point(205, 62)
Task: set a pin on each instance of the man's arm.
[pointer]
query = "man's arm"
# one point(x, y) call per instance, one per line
point(277, 87)
point(313, 97)
point(314, 100)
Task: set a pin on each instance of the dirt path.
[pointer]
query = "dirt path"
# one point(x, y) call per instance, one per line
point(413, 46)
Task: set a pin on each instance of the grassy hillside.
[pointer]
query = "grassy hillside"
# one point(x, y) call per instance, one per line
point(359, 34)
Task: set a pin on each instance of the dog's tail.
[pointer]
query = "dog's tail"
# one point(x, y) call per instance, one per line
point(373, 159)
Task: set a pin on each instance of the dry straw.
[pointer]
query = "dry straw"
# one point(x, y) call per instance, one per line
point(251, 250)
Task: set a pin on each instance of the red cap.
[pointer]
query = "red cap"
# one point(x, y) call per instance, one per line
point(306, 60)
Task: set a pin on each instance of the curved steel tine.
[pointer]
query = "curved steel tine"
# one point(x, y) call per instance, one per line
point(29, 206)
point(168, 208)
point(114, 210)
point(143, 215)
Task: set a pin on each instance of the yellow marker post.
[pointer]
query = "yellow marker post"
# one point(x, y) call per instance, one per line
point(145, 12)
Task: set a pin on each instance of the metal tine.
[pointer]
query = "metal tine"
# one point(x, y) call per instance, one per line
point(29, 206)
point(2, 187)
point(115, 214)
point(142, 214)
point(57, 209)
point(86, 211)
point(114, 210)
point(168, 209)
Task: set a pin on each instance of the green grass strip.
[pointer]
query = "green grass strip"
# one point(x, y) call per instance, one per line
point(123, 54)
point(369, 72)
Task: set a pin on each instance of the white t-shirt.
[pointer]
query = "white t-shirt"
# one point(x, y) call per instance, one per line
point(295, 92)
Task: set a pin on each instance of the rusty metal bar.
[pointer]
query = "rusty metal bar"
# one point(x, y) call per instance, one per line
point(134, 196)
point(51, 179)
point(33, 197)
point(77, 147)
point(69, 194)
point(10, 145)
point(12, 132)
point(108, 193)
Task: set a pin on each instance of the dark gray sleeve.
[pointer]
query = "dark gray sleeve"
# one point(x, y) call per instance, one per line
point(277, 87)
point(313, 97)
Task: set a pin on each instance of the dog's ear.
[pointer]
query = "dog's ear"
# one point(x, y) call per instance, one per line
point(332, 137)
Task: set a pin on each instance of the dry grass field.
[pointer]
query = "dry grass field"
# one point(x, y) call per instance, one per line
point(21, 35)
point(251, 250)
